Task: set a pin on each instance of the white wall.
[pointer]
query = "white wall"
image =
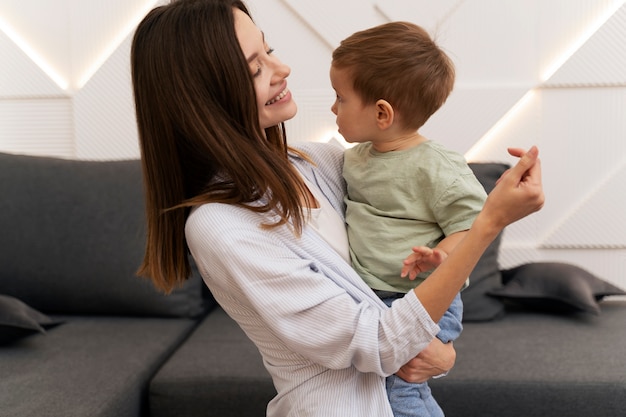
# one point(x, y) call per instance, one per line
point(545, 72)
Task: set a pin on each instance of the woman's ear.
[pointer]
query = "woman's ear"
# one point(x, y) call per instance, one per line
point(384, 114)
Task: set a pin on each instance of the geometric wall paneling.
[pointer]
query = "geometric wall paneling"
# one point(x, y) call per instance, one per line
point(600, 61)
point(585, 226)
point(98, 27)
point(72, 37)
point(104, 111)
point(43, 28)
point(583, 132)
point(330, 19)
point(41, 126)
point(520, 127)
point(20, 76)
point(563, 26)
point(426, 13)
point(468, 114)
point(492, 42)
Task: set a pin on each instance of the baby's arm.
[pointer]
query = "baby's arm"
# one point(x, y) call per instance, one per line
point(424, 259)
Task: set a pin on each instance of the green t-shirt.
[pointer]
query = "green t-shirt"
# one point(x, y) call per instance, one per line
point(400, 199)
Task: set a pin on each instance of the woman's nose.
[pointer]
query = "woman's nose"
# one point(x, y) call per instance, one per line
point(281, 70)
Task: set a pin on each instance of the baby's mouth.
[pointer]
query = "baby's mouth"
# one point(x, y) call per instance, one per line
point(278, 97)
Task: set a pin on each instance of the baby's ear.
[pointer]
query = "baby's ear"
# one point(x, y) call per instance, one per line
point(384, 114)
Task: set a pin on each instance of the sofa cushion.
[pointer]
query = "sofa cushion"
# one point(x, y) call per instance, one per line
point(534, 364)
point(18, 320)
point(554, 286)
point(89, 366)
point(73, 236)
point(218, 372)
point(477, 305)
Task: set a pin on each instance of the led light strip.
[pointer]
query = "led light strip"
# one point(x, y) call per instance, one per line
point(115, 43)
point(474, 152)
point(102, 58)
point(584, 36)
point(33, 55)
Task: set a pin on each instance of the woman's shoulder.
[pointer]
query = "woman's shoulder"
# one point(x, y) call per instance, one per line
point(320, 153)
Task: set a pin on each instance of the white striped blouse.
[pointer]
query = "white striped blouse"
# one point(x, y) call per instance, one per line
point(326, 339)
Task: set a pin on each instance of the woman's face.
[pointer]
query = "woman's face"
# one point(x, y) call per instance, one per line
point(273, 98)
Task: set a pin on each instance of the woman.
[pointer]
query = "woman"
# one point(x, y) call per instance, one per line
point(264, 222)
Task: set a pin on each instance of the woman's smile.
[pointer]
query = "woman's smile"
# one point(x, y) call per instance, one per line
point(279, 97)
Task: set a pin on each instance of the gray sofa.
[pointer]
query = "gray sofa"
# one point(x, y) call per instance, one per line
point(81, 335)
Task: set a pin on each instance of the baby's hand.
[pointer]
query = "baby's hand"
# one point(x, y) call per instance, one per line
point(422, 259)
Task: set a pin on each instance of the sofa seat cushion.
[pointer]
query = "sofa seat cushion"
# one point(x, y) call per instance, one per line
point(534, 365)
point(217, 372)
point(88, 366)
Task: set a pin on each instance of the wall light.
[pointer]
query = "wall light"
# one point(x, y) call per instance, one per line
point(115, 42)
point(479, 147)
point(581, 39)
point(33, 55)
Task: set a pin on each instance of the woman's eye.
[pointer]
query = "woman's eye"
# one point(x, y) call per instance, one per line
point(268, 51)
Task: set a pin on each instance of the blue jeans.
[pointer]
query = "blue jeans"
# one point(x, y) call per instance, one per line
point(409, 399)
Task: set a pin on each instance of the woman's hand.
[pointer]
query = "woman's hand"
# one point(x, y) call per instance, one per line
point(518, 192)
point(437, 359)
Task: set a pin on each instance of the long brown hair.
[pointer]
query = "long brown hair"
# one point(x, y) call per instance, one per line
point(400, 63)
point(199, 131)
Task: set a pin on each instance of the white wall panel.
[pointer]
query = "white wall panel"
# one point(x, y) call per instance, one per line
point(98, 28)
point(563, 24)
point(327, 18)
point(45, 27)
point(20, 76)
point(597, 222)
point(104, 111)
point(37, 127)
point(431, 15)
point(468, 114)
point(493, 42)
point(583, 140)
point(600, 61)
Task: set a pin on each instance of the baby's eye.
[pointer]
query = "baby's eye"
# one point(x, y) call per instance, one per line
point(270, 50)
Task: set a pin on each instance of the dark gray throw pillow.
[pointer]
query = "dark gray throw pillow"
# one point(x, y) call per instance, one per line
point(555, 287)
point(73, 236)
point(18, 320)
point(477, 305)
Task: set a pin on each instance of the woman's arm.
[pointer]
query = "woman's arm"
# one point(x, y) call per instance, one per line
point(517, 194)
